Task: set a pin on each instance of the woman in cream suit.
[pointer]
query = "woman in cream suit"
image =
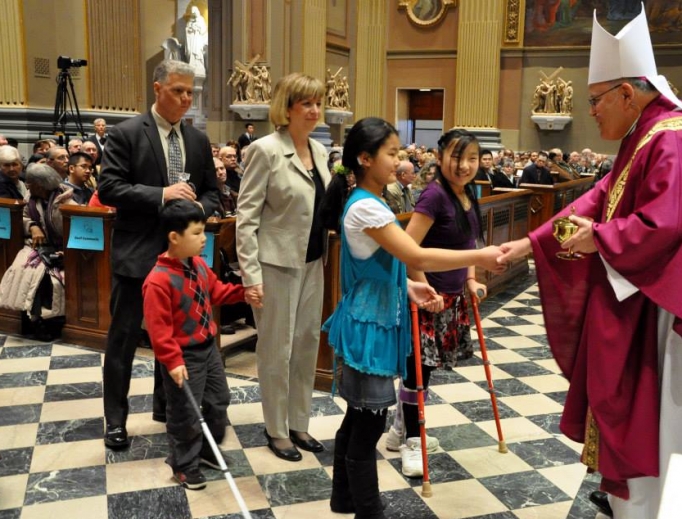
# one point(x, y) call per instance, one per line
point(280, 242)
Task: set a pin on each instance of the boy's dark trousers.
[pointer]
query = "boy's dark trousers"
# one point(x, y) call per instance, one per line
point(209, 387)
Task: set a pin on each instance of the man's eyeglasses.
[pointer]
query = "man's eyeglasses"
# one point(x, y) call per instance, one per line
point(594, 100)
point(85, 167)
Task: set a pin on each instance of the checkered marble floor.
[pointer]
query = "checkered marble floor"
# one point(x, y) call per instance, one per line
point(53, 463)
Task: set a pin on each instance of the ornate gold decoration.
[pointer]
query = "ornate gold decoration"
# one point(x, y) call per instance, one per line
point(590, 454)
point(616, 193)
point(426, 13)
point(512, 21)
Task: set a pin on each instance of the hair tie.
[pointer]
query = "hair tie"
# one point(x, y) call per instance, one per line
point(340, 169)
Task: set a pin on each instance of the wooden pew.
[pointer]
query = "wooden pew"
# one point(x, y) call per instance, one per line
point(546, 201)
point(506, 217)
point(10, 320)
point(87, 282)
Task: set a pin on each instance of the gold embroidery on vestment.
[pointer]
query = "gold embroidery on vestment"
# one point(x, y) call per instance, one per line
point(590, 454)
point(616, 192)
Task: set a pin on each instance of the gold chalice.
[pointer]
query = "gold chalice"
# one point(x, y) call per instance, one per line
point(563, 229)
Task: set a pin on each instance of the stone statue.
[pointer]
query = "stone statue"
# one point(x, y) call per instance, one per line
point(196, 41)
point(337, 96)
point(553, 95)
point(195, 47)
point(567, 100)
point(251, 83)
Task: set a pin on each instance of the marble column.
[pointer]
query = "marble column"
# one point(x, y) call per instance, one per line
point(478, 67)
point(12, 56)
point(370, 76)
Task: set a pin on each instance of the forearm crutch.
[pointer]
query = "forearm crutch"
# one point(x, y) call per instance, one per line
point(426, 484)
point(502, 446)
point(216, 452)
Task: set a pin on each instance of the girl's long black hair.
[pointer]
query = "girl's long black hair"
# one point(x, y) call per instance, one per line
point(366, 136)
point(463, 138)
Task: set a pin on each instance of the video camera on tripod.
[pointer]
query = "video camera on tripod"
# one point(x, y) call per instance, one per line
point(65, 103)
point(64, 62)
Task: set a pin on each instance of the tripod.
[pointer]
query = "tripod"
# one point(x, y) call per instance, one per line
point(65, 103)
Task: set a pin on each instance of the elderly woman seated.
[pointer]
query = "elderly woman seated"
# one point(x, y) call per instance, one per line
point(10, 169)
point(34, 283)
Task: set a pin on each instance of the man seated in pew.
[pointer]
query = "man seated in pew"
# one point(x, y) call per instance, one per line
point(559, 168)
point(80, 171)
point(537, 172)
point(11, 185)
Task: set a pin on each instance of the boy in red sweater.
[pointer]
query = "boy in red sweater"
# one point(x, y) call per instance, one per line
point(178, 294)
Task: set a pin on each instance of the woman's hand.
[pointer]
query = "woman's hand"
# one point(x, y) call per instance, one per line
point(425, 296)
point(474, 287)
point(37, 236)
point(254, 295)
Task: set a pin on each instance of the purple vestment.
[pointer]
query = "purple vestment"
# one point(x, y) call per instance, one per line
point(606, 348)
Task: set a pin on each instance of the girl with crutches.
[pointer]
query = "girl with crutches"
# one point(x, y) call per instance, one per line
point(447, 216)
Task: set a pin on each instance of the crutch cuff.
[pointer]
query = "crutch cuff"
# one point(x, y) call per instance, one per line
point(409, 396)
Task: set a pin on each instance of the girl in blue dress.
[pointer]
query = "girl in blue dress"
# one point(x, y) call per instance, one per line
point(370, 328)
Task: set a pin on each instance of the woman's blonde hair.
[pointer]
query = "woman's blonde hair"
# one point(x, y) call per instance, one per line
point(289, 90)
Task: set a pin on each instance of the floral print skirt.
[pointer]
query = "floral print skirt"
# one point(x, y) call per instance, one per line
point(446, 335)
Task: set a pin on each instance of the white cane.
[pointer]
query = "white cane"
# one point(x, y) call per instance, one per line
point(216, 451)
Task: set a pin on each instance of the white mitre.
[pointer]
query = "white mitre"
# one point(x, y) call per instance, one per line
point(627, 54)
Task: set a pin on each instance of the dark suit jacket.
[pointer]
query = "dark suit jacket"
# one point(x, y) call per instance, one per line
point(9, 189)
point(133, 176)
point(93, 139)
point(501, 180)
point(245, 139)
point(534, 175)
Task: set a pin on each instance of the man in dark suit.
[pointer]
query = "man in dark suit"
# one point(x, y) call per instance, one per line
point(100, 138)
point(537, 173)
point(248, 137)
point(143, 159)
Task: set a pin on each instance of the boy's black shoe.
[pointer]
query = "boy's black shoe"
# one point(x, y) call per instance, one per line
point(210, 460)
point(192, 478)
point(116, 437)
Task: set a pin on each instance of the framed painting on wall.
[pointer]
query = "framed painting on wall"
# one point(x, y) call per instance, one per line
point(426, 13)
point(568, 23)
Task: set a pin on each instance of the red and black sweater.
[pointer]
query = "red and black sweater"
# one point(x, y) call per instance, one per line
point(177, 306)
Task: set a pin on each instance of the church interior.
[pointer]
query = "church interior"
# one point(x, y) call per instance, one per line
point(424, 66)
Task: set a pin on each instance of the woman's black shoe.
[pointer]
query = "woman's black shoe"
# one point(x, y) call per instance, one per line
point(290, 454)
point(601, 499)
point(311, 445)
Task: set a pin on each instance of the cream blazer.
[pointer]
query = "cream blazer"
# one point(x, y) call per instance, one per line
point(275, 207)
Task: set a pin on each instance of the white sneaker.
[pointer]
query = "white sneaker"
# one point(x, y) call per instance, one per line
point(394, 440)
point(432, 444)
point(412, 462)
